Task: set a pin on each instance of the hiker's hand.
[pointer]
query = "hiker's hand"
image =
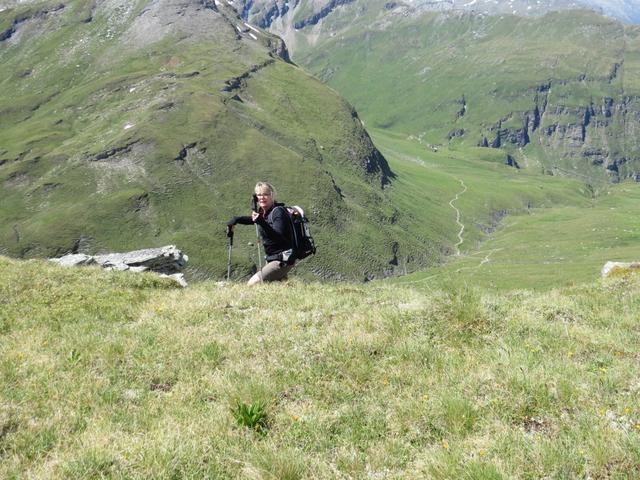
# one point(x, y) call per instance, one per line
point(254, 216)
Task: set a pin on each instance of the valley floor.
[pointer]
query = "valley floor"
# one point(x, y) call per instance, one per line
point(509, 228)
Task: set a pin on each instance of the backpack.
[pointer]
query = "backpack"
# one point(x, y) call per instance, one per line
point(303, 244)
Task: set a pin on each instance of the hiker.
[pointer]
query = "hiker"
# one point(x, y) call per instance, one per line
point(274, 229)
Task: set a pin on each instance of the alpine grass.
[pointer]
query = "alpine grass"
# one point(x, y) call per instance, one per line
point(116, 375)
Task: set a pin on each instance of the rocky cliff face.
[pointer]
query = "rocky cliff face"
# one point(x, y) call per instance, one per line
point(297, 13)
point(601, 133)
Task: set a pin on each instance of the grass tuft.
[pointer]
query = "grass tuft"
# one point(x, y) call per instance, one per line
point(251, 415)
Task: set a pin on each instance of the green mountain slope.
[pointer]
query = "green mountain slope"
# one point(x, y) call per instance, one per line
point(452, 96)
point(119, 375)
point(559, 92)
point(510, 228)
point(132, 124)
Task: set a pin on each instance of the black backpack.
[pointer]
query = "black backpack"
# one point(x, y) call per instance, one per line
point(303, 244)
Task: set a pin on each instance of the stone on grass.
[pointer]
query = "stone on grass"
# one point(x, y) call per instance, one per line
point(619, 267)
point(74, 260)
point(167, 261)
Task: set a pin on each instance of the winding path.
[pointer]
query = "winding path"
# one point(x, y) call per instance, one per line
point(460, 224)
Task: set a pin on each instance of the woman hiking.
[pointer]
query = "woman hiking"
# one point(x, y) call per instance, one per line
point(274, 228)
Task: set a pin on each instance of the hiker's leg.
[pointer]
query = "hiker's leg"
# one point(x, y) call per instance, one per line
point(271, 272)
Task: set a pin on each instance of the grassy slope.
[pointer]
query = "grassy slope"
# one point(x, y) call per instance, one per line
point(68, 92)
point(423, 66)
point(106, 374)
point(548, 248)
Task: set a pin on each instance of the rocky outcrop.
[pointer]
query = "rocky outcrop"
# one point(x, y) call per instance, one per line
point(167, 261)
point(265, 13)
point(457, 132)
point(237, 83)
point(511, 162)
point(373, 161)
point(376, 164)
point(9, 32)
point(322, 13)
point(601, 132)
point(106, 154)
point(462, 102)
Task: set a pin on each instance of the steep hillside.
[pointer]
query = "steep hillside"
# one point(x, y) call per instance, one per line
point(558, 93)
point(125, 125)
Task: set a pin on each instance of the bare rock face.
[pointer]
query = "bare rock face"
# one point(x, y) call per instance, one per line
point(167, 261)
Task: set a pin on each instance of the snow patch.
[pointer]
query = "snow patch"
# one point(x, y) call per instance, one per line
point(252, 27)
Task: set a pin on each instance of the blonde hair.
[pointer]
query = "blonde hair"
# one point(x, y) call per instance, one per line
point(266, 186)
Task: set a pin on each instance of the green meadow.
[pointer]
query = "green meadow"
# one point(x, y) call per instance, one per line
point(119, 375)
point(463, 78)
point(522, 229)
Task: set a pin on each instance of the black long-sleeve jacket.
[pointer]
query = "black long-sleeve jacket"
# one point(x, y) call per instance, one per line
point(274, 229)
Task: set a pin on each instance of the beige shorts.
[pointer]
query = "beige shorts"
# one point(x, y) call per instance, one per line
point(271, 272)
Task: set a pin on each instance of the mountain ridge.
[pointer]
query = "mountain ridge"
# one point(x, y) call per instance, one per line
point(303, 13)
point(531, 82)
point(130, 125)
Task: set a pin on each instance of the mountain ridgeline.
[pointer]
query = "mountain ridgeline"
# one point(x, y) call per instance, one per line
point(130, 124)
point(302, 13)
point(557, 90)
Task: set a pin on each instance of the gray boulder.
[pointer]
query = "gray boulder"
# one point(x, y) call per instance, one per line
point(74, 260)
point(167, 261)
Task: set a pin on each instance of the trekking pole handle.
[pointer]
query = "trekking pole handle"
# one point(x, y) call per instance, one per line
point(230, 234)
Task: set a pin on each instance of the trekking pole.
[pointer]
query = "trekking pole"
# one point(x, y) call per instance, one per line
point(258, 245)
point(254, 208)
point(230, 236)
